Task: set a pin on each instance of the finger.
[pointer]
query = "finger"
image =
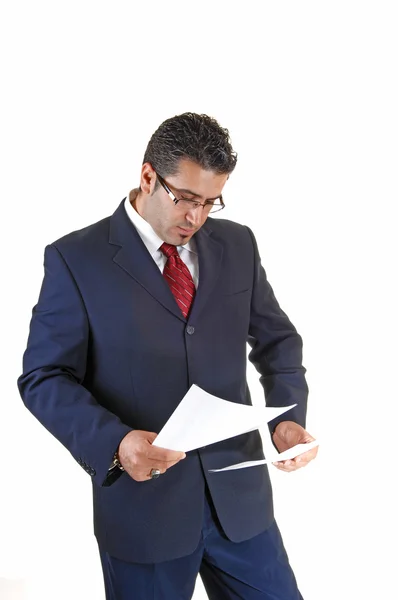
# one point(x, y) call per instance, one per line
point(300, 460)
point(148, 470)
point(286, 469)
point(295, 463)
point(164, 455)
point(306, 457)
point(299, 463)
point(281, 467)
point(162, 466)
point(307, 439)
point(146, 476)
point(280, 464)
point(287, 465)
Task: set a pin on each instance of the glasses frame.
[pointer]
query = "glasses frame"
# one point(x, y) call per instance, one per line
point(194, 202)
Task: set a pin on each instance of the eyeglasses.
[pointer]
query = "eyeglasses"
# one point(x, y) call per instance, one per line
point(209, 206)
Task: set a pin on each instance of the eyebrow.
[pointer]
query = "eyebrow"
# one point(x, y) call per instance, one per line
point(185, 191)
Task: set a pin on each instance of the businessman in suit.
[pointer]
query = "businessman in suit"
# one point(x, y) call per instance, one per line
point(132, 311)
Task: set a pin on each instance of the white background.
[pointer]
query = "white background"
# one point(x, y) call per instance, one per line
point(308, 91)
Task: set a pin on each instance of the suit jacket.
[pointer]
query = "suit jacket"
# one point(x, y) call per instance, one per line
point(109, 351)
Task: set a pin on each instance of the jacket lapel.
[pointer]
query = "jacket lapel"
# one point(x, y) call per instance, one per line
point(210, 258)
point(134, 258)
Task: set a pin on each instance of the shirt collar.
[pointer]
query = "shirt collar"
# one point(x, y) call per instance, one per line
point(150, 238)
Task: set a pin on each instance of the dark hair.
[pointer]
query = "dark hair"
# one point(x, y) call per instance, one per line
point(191, 136)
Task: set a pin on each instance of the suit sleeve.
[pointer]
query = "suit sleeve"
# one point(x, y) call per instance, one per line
point(54, 366)
point(276, 349)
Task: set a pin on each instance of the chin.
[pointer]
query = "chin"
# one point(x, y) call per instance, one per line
point(185, 236)
point(177, 237)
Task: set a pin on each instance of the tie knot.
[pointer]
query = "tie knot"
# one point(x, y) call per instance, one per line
point(169, 250)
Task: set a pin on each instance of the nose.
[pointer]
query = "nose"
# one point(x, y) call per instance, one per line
point(195, 216)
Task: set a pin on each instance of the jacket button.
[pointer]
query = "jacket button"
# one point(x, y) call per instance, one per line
point(190, 329)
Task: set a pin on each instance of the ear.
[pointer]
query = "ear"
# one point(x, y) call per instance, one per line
point(148, 178)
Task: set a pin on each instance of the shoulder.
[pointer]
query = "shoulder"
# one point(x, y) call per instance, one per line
point(226, 231)
point(89, 242)
point(226, 228)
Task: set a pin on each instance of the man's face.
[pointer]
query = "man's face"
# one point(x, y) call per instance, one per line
point(172, 222)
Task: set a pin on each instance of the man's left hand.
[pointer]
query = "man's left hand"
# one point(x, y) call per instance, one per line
point(286, 435)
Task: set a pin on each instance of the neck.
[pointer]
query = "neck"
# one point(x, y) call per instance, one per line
point(136, 201)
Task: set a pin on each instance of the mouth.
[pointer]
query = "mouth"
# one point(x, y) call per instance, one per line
point(186, 231)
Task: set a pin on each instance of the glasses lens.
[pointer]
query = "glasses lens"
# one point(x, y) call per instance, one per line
point(216, 207)
point(189, 204)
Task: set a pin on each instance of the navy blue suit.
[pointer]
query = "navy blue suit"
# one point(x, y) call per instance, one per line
point(109, 351)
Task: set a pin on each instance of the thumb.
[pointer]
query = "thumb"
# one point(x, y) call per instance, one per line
point(151, 436)
point(307, 437)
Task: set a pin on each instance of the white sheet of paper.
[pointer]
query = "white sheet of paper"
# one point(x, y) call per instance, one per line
point(290, 453)
point(202, 419)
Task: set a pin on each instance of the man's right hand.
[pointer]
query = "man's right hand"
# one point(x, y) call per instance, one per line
point(137, 455)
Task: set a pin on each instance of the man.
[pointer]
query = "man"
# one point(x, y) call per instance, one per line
point(135, 309)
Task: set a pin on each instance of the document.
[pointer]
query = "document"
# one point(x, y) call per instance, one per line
point(274, 457)
point(202, 419)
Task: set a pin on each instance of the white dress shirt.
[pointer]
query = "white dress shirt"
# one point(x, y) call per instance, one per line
point(152, 241)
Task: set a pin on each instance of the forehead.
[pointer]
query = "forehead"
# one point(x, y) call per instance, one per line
point(192, 177)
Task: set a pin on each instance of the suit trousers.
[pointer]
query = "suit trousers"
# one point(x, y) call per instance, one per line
point(249, 570)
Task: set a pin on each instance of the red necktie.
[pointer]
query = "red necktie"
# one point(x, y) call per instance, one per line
point(179, 278)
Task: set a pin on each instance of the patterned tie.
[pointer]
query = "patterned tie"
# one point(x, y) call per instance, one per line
point(179, 278)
